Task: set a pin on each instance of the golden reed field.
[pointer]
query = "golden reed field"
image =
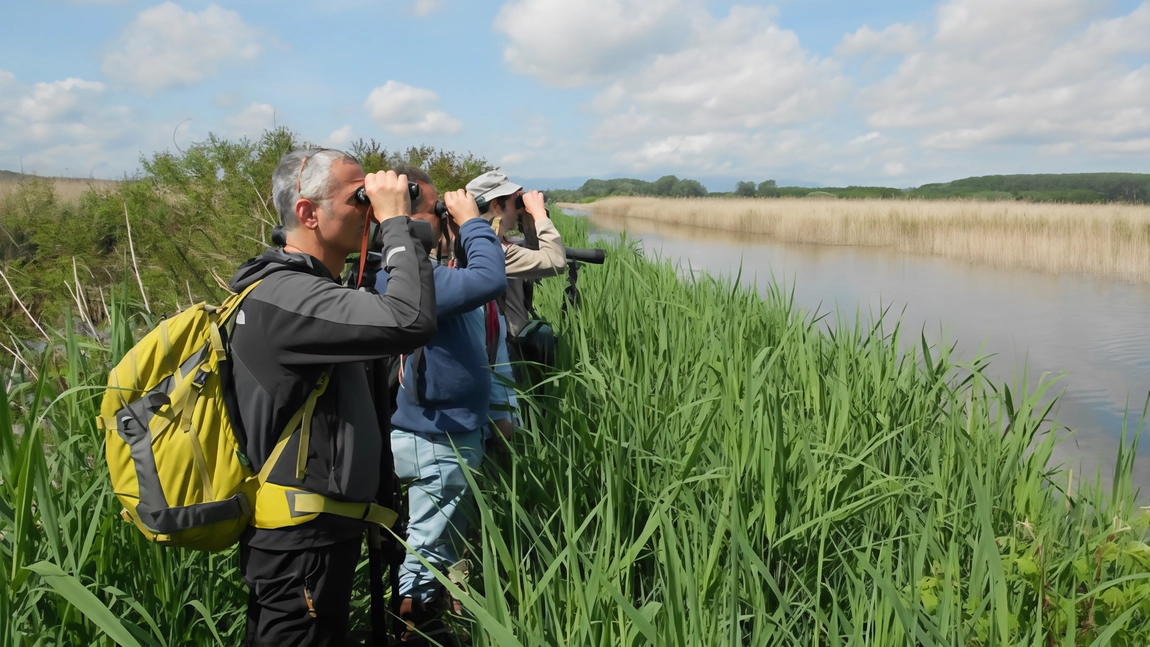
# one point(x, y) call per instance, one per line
point(66, 189)
point(1108, 240)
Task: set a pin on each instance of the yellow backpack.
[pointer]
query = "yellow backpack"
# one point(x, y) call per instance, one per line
point(174, 460)
point(175, 463)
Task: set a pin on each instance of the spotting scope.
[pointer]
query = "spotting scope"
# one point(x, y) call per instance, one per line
point(595, 256)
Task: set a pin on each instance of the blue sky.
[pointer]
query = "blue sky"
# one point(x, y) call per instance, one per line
point(894, 93)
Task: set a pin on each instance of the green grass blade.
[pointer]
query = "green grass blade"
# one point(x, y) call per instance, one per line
point(85, 602)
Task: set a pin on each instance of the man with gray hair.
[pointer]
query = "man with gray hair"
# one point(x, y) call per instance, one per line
point(303, 405)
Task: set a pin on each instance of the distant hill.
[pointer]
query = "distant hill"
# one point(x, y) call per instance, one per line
point(1066, 187)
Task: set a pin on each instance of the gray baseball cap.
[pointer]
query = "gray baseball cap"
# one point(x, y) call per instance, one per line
point(491, 185)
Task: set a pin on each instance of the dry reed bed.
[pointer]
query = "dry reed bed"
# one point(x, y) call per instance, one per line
point(66, 189)
point(1109, 240)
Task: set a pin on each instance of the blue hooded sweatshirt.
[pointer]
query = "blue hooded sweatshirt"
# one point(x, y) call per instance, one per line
point(450, 389)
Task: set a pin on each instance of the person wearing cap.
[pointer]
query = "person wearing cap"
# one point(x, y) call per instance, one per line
point(541, 256)
point(547, 258)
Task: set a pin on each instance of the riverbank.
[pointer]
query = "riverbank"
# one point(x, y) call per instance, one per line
point(1111, 241)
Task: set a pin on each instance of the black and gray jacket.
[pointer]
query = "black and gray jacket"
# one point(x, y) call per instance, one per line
point(299, 322)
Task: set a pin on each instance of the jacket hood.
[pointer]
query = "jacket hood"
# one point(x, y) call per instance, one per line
point(275, 259)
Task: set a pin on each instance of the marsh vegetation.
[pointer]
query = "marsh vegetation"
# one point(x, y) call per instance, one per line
point(1107, 240)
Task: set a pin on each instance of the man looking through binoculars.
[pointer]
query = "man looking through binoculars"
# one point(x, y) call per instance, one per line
point(299, 348)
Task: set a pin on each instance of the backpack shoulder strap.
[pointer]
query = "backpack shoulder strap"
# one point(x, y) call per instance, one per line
point(301, 420)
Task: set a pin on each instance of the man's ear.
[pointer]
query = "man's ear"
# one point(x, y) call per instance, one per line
point(307, 212)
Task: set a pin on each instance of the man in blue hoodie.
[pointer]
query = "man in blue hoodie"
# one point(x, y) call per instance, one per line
point(442, 404)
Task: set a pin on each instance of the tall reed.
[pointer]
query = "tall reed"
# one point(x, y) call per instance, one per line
point(1109, 240)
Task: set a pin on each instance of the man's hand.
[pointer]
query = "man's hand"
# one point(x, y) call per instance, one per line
point(506, 428)
point(534, 205)
point(388, 194)
point(461, 206)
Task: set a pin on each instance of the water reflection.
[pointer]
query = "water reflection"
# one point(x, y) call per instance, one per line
point(1095, 331)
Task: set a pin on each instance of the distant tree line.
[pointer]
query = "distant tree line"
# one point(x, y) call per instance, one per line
point(1067, 187)
point(1081, 188)
point(667, 186)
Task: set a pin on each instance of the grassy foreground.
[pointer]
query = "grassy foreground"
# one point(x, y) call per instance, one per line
point(706, 467)
point(1107, 240)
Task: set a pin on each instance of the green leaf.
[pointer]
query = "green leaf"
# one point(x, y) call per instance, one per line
point(85, 602)
point(1026, 566)
point(1114, 598)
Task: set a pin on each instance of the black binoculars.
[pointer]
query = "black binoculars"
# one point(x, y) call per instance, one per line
point(481, 202)
point(441, 207)
point(412, 190)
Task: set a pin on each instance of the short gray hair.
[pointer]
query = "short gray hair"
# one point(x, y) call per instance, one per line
point(315, 181)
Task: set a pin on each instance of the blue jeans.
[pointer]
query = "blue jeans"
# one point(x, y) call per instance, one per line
point(436, 529)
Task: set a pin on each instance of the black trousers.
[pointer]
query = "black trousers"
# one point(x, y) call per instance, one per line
point(299, 597)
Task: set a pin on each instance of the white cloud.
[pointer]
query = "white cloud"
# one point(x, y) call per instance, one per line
point(684, 89)
point(725, 152)
point(1050, 74)
point(49, 102)
point(735, 79)
point(564, 43)
point(166, 46)
point(868, 138)
point(894, 169)
point(62, 126)
point(340, 137)
point(402, 109)
point(252, 121)
point(424, 8)
point(516, 157)
point(898, 38)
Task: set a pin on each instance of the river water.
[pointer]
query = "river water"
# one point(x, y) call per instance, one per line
point(1093, 332)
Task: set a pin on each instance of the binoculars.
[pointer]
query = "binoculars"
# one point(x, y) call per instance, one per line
point(441, 207)
point(481, 202)
point(412, 191)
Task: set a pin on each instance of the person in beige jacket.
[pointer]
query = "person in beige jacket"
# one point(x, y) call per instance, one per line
point(543, 255)
point(509, 207)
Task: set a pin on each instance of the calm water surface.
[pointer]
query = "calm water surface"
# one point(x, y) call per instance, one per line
point(1094, 332)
